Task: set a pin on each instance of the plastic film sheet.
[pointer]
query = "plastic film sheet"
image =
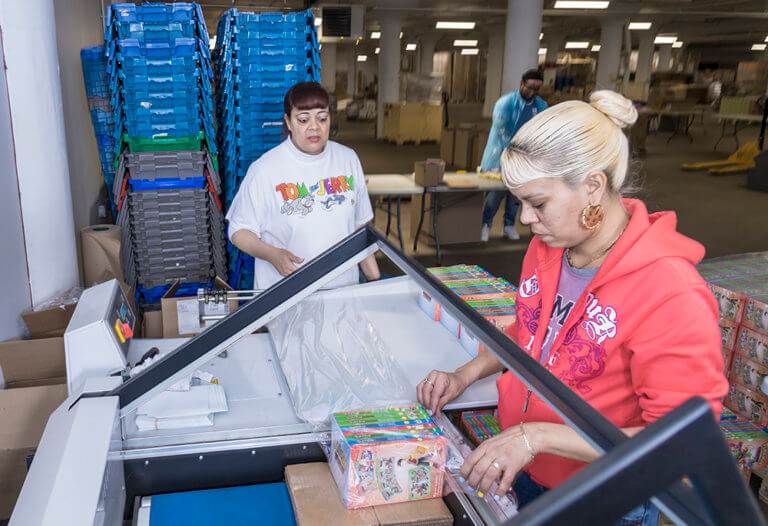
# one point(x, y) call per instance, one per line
point(335, 360)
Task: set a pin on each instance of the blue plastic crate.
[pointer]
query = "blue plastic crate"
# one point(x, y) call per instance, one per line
point(179, 129)
point(154, 32)
point(141, 185)
point(153, 295)
point(180, 47)
point(153, 12)
point(159, 66)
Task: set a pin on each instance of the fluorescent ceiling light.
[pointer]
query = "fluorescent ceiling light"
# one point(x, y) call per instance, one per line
point(470, 51)
point(766, 39)
point(639, 25)
point(541, 35)
point(677, 44)
point(567, 4)
point(410, 47)
point(455, 25)
point(665, 40)
point(401, 34)
point(362, 58)
point(542, 51)
point(378, 49)
point(759, 47)
point(596, 47)
point(375, 35)
point(576, 45)
point(465, 43)
point(319, 21)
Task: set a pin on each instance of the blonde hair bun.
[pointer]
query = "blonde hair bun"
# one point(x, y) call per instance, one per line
point(614, 106)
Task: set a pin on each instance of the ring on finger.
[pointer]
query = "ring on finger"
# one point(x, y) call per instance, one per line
point(496, 465)
point(427, 381)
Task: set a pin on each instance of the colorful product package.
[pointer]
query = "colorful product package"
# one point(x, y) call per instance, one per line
point(752, 344)
point(464, 287)
point(741, 265)
point(747, 442)
point(728, 332)
point(480, 425)
point(756, 313)
point(459, 272)
point(729, 303)
point(727, 414)
point(747, 403)
point(727, 360)
point(748, 373)
point(382, 456)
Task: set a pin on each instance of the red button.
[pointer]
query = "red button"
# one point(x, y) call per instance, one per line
point(126, 330)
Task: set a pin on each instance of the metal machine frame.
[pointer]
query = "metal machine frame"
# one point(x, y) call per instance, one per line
point(685, 442)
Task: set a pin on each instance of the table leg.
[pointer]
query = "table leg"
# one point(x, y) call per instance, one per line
point(736, 133)
point(722, 134)
point(399, 228)
point(689, 120)
point(389, 213)
point(434, 226)
point(421, 220)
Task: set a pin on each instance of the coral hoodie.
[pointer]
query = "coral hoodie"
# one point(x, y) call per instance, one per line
point(642, 338)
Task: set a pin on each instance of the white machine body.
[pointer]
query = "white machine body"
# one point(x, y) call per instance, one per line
point(96, 339)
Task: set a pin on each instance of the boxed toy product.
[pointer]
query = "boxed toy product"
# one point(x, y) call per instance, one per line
point(730, 304)
point(381, 456)
point(459, 272)
point(727, 359)
point(728, 330)
point(752, 344)
point(747, 403)
point(749, 374)
point(480, 425)
point(756, 313)
point(748, 443)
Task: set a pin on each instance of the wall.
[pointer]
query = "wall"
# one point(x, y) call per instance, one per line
point(79, 24)
point(14, 279)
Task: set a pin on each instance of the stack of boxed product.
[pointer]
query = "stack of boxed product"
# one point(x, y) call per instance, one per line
point(480, 425)
point(748, 443)
point(740, 285)
point(387, 455)
point(494, 298)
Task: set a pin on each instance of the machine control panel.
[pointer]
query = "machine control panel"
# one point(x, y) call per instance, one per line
point(121, 318)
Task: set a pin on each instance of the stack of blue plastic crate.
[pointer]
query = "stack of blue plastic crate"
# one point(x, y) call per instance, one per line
point(258, 57)
point(167, 187)
point(97, 89)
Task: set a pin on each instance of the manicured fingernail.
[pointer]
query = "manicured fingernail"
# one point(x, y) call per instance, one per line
point(496, 498)
point(430, 412)
point(470, 488)
point(462, 480)
point(480, 494)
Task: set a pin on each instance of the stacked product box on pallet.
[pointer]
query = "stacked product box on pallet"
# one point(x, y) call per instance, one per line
point(94, 63)
point(740, 286)
point(167, 186)
point(258, 57)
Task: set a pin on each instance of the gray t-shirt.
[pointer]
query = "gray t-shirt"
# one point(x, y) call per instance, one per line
point(572, 283)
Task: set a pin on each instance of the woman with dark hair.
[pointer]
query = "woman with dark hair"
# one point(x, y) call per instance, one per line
point(302, 196)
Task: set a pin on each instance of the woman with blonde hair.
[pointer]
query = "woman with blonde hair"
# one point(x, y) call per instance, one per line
point(609, 302)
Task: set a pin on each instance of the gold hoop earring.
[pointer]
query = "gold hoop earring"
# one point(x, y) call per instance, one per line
point(592, 216)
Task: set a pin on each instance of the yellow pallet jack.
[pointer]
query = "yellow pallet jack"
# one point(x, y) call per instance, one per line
point(739, 161)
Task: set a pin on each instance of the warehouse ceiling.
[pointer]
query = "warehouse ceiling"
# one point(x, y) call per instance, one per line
point(726, 24)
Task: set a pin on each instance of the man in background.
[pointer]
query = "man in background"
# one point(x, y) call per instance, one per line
point(509, 114)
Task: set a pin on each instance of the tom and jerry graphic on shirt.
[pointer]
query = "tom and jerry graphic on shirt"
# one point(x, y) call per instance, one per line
point(326, 194)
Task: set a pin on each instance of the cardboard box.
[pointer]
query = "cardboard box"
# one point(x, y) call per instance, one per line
point(49, 323)
point(748, 373)
point(756, 315)
point(752, 344)
point(34, 375)
point(152, 324)
point(181, 316)
point(316, 502)
point(462, 150)
point(447, 143)
point(459, 217)
point(747, 403)
point(478, 148)
point(728, 330)
point(747, 442)
point(429, 172)
point(729, 303)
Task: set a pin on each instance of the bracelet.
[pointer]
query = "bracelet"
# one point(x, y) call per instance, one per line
point(527, 443)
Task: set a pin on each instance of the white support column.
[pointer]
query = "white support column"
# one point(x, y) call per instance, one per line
point(645, 56)
point(552, 43)
point(495, 63)
point(665, 57)
point(328, 69)
point(389, 64)
point(40, 150)
point(521, 43)
point(611, 37)
point(427, 45)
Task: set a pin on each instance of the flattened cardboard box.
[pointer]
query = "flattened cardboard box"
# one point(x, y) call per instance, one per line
point(49, 323)
point(180, 316)
point(317, 502)
point(34, 372)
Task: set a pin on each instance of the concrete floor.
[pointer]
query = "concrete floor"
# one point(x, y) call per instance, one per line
point(718, 211)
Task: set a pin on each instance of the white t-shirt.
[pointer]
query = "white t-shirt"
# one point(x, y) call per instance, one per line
point(302, 203)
